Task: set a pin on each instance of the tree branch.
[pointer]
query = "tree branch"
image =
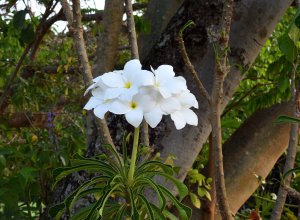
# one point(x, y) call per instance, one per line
point(291, 153)
point(221, 70)
point(74, 21)
point(135, 55)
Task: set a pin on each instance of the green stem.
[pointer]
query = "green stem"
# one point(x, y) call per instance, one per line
point(133, 155)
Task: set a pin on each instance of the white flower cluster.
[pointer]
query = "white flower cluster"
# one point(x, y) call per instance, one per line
point(139, 94)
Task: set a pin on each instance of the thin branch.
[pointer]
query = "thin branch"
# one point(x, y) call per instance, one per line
point(135, 55)
point(75, 26)
point(292, 192)
point(221, 70)
point(291, 153)
point(190, 66)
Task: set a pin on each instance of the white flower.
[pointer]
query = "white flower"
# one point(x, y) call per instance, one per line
point(99, 105)
point(139, 94)
point(166, 82)
point(135, 109)
point(125, 84)
point(185, 115)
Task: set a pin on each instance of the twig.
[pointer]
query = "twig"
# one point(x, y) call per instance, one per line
point(33, 46)
point(135, 55)
point(291, 153)
point(190, 66)
point(77, 32)
point(221, 70)
point(292, 192)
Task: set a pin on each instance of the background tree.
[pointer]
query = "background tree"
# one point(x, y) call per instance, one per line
point(43, 125)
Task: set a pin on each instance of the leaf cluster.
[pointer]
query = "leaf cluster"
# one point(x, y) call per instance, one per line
point(116, 197)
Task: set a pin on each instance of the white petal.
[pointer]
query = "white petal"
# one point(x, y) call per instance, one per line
point(111, 93)
point(164, 92)
point(178, 119)
point(127, 94)
point(113, 79)
point(188, 99)
point(119, 107)
point(146, 78)
point(92, 103)
point(134, 117)
point(89, 88)
point(190, 117)
point(97, 79)
point(100, 111)
point(170, 105)
point(164, 73)
point(98, 93)
point(145, 102)
point(132, 66)
point(176, 85)
point(153, 117)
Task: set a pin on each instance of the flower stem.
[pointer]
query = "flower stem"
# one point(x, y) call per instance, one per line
point(133, 155)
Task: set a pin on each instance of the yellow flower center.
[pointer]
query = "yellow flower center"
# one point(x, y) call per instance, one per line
point(133, 105)
point(127, 85)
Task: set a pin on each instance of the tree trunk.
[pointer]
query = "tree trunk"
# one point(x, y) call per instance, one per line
point(253, 150)
point(253, 22)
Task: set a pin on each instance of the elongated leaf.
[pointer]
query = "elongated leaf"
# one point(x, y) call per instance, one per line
point(287, 119)
point(82, 213)
point(60, 173)
point(151, 183)
point(69, 201)
point(169, 215)
point(184, 211)
point(57, 210)
point(134, 211)
point(120, 213)
point(182, 188)
point(115, 153)
point(195, 200)
point(106, 166)
point(154, 164)
point(106, 196)
point(148, 207)
point(296, 170)
point(158, 214)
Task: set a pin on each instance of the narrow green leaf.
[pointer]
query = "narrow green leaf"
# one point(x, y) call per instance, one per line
point(69, 201)
point(169, 215)
point(287, 119)
point(148, 207)
point(151, 165)
point(82, 213)
point(184, 211)
point(60, 173)
point(106, 196)
point(120, 213)
point(134, 211)
point(296, 170)
point(151, 183)
point(57, 210)
point(182, 188)
point(158, 214)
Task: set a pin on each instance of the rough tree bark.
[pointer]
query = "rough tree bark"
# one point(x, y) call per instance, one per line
point(253, 22)
point(245, 153)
